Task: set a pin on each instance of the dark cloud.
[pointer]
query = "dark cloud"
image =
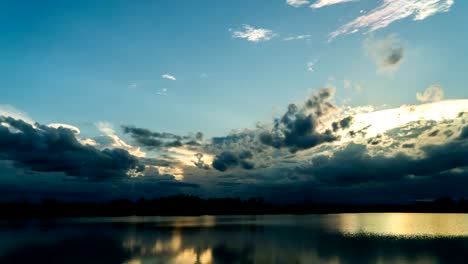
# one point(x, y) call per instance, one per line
point(355, 165)
point(229, 159)
point(152, 140)
point(45, 149)
point(388, 52)
point(199, 162)
point(343, 123)
point(393, 56)
point(297, 128)
point(464, 133)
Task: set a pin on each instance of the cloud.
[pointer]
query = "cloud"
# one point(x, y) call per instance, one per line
point(10, 111)
point(74, 129)
point(134, 85)
point(162, 92)
point(48, 149)
point(297, 129)
point(169, 77)
point(393, 10)
point(388, 53)
point(229, 159)
point(352, 86)
point(432, 94)
point(322, 3)
point(311, 65)
point(298, 37)
point(153, 140)
point(109, 139)
point(355, 165)
point(297, 3)
point(254, 34)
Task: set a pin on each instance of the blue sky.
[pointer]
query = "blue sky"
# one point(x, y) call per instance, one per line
point(218, 66)
point(77, 60)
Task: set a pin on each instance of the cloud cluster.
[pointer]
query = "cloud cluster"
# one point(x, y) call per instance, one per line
point(297, 128)
point(290, 157)
point(229, 159)
point(354, 164)
point(393, 10)
point(254, 34)
point(432, 94)
point(388, 53)
point(47, 149)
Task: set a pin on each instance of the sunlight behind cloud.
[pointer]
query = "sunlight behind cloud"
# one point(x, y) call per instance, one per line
point(381, 121)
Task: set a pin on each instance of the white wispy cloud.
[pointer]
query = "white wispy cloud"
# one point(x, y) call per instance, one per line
point(169, 77)
point(299, 37)
point(322, 3)
point(434, 93)
point(133, 85)
point(162, 92)
point(311, 66)
point(297, 3)
point(352, 86)
point(254, 34)
point(392, 10)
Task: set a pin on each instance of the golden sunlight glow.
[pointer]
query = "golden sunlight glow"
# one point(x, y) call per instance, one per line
point(177, 172)
point(378, 122)
point(402, 224)
point(188, 157)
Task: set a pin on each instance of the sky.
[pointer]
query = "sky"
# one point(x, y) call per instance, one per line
point(326, 100)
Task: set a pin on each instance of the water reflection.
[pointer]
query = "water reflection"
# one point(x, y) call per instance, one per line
point(400, 224)
point(347, 238)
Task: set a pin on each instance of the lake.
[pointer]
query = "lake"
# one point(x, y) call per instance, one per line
point(336, 238)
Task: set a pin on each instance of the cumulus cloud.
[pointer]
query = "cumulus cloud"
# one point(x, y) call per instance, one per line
point(297, 3)
point(229, 159)
point(432, 94)
point(388, 53)
point(314, 149)
point(322, 3)
point(297, 128)
point(48, 149)
point(390, 11)
point(169, 77)
point(355, 165)
point(254, 34)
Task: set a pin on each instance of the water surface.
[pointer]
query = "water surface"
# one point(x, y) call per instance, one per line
point(338, 238)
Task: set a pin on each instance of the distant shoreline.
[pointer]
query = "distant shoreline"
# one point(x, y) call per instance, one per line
point(184, 205)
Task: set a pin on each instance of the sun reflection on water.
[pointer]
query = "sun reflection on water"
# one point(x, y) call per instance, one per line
point(400, 224)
